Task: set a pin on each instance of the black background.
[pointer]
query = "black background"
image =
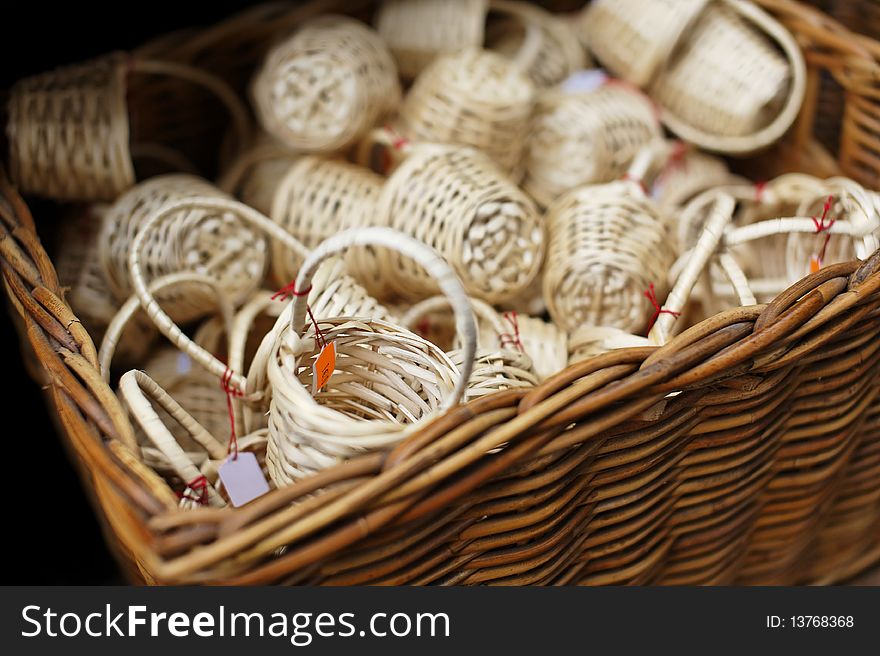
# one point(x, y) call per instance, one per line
point(51, 533)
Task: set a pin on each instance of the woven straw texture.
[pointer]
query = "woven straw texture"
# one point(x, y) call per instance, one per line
point(544, 45)
point(205, 242)
point(587, 137)
point(606, 245)
point(680, 51)
point(474, 98)
point(326, 85)
point(73, 132)
point(456, 201)
point(762, 468)
point(417, 31)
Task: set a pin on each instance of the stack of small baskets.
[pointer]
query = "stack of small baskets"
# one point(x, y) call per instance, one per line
point(464, 292)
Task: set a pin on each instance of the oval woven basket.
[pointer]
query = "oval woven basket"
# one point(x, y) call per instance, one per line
point(680, 51)
point(326, 85)
point(74, 133)
point(743, 450)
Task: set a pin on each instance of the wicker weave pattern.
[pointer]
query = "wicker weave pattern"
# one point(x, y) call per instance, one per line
point(557, 54)
point(386, 381)
point(316, 198)
point(714, 67)
point(417, 31)
point(599, 498)
point(214, 243)
point(737, 93)
point(474, 98)
point(581, 138)
point(456, 201)
point(607, 244)
point(326, 85)
point(68, 132)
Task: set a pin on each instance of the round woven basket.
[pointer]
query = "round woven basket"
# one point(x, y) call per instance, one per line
point(544, 45)
point(417, 31)
point(386, 381)
point(204, 241)
point(456, 201)
point(473, 98)
point(585, 137)
point(315, 198)
point(326, 85)
point(607, 245)
point(727, 76)
point(588, 341)
point(500, 361)
point(74, 132)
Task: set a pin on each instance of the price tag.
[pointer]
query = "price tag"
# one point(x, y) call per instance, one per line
point(815, 264)
point(243, 478)
point(323, 367)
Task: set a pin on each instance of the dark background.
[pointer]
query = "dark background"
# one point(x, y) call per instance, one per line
point(52, 536)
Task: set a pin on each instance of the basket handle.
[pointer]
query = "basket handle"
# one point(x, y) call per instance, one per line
point(163, 322)
point(137, 388)
point(723, 206)
point(427, 257)
point(534, 37)
point(482, 310)
point(772, 132)
point(211, 83)
point(120, 320)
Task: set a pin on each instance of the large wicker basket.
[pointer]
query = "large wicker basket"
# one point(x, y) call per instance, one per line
point(763, 468)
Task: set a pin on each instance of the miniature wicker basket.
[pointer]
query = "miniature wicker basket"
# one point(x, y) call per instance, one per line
point(474, 98)
point(686, 174)
point(456, 201)
point(544, 45)
point(387, 381)
point(326, 85)
point(607, 244)
point(588, 341)
point(316, 198)
point(586, 137)
point(74, 132)
point(206, 241)
point(714, 66)
point(500, 361)
point(417, 31)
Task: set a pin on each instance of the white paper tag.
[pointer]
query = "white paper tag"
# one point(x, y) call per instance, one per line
point(583, 81)
point(243, 478)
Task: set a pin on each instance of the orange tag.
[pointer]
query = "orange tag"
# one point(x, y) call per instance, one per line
point(815, 264)
point(323, 367)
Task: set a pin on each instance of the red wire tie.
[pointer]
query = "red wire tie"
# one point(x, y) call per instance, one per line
point(512, 340)
point(397, 140)
point(821, 227)
point(760, 188)
point(226, 386)
point(651, 295)
point(288, 291)
point(198, 484)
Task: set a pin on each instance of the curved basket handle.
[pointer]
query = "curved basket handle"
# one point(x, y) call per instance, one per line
point(772, 132)
point(136, 387)
point(427, 257)
point(697, 259)
point(211, 83)
point(163, 322)
point(534, 36)
point(481, 309)
point(125, 313)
